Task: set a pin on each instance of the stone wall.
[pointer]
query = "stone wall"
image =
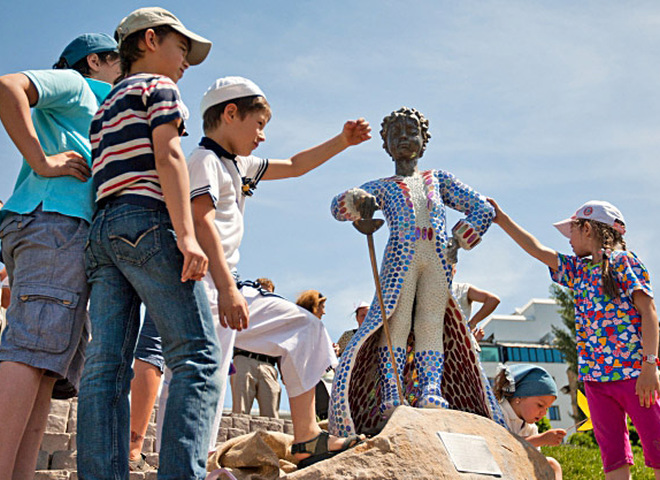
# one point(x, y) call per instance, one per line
point(57, 457)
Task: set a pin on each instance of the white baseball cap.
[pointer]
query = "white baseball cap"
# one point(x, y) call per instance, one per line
point(360, 305)
point(597, 210)
point(229, 88)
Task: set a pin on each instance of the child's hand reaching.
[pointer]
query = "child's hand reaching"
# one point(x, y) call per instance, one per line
point(356, 132)
point(498, 210)
point(553, 436)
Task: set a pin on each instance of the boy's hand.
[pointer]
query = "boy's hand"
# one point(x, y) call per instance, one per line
point(356, 131)
point(62, 164)
point(553, 436)
point(498, 210)
point(195, 262)
point(233, 309)
point(647, 386)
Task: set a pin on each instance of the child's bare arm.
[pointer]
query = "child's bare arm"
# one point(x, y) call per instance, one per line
point(175, 183)
point(233, 309)
point(17, 94)
point(353, 133)
point(648, 384)
point(489, 300)
point(547, 438)
point(526, 240)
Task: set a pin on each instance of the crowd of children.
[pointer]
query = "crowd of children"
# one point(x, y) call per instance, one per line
point(107, 211)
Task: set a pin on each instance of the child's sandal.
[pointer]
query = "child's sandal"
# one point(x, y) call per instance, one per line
point(317, 447)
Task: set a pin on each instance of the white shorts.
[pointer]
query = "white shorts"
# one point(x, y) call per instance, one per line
point(278, 328)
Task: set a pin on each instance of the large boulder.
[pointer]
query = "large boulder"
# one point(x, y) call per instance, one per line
point(409, 448)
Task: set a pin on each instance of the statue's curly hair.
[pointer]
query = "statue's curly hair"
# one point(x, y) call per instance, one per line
point(406, 112)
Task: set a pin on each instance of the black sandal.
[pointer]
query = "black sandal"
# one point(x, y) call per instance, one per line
point(317, 447)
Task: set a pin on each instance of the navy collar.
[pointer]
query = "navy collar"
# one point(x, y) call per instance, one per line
point(215, 147)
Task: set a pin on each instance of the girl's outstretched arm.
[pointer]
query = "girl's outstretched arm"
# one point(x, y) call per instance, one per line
point(526, 240)
point(648, 384)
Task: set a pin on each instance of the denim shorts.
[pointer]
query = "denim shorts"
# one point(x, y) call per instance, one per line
point(149, 347)
point(47, 321)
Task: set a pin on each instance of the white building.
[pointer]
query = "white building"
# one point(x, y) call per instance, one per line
point(526, 337)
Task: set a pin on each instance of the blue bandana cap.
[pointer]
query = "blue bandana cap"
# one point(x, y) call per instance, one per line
point(527, 380)
point(86, 44)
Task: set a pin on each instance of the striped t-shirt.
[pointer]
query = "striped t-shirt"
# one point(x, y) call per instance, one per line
point(123, 162)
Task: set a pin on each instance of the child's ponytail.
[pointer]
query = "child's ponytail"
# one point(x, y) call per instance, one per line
point(610, 239)
point(503, 384)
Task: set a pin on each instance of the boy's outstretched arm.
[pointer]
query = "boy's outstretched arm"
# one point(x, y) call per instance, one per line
point(175, 183)
point(17, 95)
point(232, 307)
point(648, 384)
point(353, 133)
point(526, 240)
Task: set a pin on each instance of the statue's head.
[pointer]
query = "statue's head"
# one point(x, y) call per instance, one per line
point(405, 133)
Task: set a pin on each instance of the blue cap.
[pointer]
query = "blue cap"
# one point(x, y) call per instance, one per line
point(531, 381)
point(88, 43)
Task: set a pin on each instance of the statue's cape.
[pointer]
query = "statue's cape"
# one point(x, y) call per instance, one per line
point(356, 395)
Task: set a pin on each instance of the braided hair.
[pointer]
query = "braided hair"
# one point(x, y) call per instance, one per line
point(609, 239)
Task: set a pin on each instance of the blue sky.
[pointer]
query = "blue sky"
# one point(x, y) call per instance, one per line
point(541, 105)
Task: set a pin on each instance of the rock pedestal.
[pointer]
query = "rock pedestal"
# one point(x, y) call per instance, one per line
point(409, 447)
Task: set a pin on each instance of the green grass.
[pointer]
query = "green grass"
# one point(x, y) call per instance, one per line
point(583, 463)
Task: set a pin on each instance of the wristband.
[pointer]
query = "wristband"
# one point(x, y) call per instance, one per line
point(652, 359)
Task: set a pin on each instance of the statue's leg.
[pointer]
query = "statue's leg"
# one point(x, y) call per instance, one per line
point(432, 296)
point(399, 322)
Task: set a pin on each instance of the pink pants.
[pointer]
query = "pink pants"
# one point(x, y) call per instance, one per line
point(609, 402)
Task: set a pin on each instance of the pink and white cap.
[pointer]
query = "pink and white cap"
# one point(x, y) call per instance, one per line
point(597, 210)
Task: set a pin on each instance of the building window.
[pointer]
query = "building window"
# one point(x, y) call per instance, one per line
point(489, 354)
point(553, 413)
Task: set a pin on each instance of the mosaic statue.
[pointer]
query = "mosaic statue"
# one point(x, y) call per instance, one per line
point(442, 370)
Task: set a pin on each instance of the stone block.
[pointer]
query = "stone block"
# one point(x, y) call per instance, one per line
point(60, 408)
point(259, 423)
point(222, 435)
point(136, 476)
point(151, 430)
point(275, 425)
point(43, 460)
point(151, 475)
point(226, 421)
point(56, 423)
point(241, 421)
point(149, 445)
point(73, 444)
point(235, 432)
point(152, 459)
point(63, 460)
point(73, 418)
point(52, 475)
point(288, 428)
point(73, 476)
point(55, 441)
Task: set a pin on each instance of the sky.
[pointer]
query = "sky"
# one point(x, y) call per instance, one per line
point(540, 105)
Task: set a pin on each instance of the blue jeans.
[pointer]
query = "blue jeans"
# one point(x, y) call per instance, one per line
point(132, 257)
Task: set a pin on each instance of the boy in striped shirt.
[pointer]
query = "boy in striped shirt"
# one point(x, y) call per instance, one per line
point(142, 249)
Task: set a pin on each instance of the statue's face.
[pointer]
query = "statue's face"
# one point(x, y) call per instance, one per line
point(404, 139)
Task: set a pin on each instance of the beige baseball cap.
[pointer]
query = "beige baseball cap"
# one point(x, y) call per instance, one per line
point(150, 17)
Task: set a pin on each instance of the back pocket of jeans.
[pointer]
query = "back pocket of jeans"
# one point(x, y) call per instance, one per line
point(135, 237)
point(44, 317)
